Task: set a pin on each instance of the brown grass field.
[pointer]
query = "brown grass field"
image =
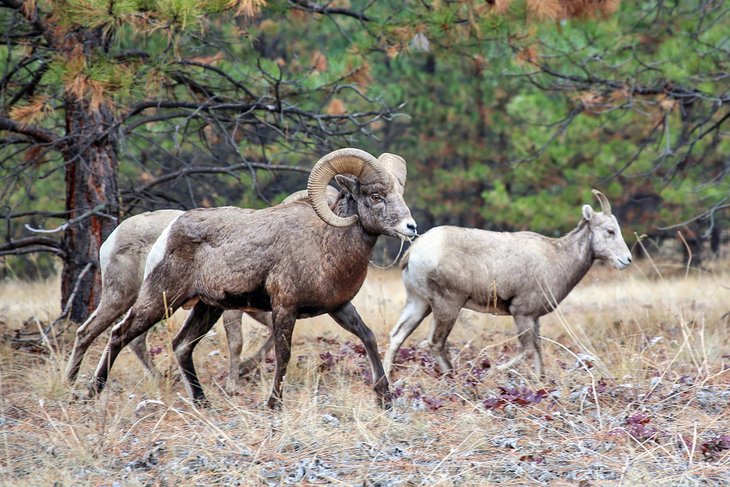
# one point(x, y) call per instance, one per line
point(638, 393)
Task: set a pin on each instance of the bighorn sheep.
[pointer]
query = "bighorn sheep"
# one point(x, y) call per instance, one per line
point(122, 259)
point(296, 260)
point(522, 274)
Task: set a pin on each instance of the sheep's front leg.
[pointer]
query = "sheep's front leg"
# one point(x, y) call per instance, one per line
point(139, 347)
point(528, 328)
point(283, 321)
point(198, 323)
point(349, 319)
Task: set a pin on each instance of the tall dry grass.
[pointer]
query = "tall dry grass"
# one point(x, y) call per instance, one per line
point(637, 394)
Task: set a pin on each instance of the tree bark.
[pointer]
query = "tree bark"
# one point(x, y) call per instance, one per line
point(91, 189)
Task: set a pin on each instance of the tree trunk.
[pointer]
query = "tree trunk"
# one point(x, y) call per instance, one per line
point(91, 186)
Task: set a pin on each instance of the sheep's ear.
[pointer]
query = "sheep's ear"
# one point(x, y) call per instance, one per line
point(587, 212)
point(348, 184)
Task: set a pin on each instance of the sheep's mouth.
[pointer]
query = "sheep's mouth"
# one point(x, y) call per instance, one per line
point(409, 235)
point(622, 264)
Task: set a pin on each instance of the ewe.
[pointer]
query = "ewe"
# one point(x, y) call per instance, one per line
point(296, 260)
point(122, 259)
point(522, 274)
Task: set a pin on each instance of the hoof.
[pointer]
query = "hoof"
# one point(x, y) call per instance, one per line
point(247, 368)
point(232, 388)
point(382, 391)
point(445, 373)
point(171, 376)
point(385, 401)
point(201, 403)
point(274, 403)
point(83, 395)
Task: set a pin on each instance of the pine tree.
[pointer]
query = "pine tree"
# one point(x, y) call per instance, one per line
point(179, 85)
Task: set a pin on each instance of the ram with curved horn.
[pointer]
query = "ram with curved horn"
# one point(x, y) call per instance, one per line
point(522, 274)
point(296, 260)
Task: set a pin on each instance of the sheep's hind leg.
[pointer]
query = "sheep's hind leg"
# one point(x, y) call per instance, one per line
point(414, 311)
point(444, 318)
point(529, 336)
point(140, 318)
point(349, 319)
point(250, 364)
point(101, 319)
point(236, 368)
point(198, 323)
point(85, 335)
point(284, 320)
point(232, 325)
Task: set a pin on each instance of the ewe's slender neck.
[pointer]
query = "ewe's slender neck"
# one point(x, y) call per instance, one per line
point(574, 257)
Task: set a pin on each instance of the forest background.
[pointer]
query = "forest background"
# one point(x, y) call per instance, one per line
point(508, 113)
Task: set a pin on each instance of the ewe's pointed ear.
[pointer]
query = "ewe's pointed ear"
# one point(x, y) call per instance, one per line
point(587, 212)
point(351, 185)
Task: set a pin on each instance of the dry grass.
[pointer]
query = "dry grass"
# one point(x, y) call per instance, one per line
point(647, 403)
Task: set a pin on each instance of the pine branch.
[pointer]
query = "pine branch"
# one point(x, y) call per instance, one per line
point(37, 214)
point(314, 8)
point(665, 88)
point(219, 72)
point(36, 133)
point(213, 106)
point(31, 16)
point(214, 170)
point(31, 245)
point(20, 65)
point(30, 86)
point(130, 54)
point(14, 4)
point(93, 212)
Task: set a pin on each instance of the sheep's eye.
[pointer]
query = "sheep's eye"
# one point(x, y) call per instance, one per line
point(611, 232)
point(376, 197)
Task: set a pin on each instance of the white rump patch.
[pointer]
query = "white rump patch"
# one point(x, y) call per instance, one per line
point(106, 251)
point(158, 250)
point(428, 249)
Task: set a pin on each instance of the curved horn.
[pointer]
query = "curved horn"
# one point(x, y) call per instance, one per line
point(396, 166)
point(605, 205)
point(331, 194)
point(342, 161)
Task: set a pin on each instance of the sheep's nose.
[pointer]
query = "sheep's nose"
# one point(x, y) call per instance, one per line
point(629, 259)
point(407, 228)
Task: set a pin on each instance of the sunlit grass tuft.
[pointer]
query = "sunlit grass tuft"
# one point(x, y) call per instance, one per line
point(21, 301)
